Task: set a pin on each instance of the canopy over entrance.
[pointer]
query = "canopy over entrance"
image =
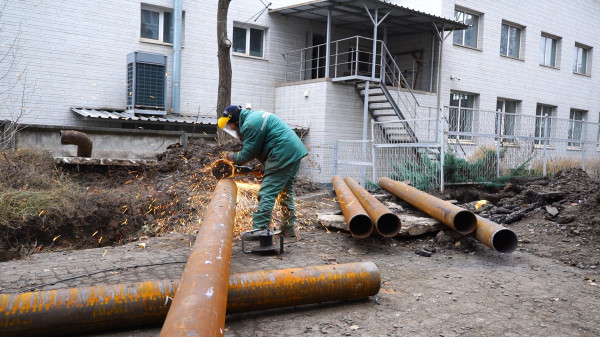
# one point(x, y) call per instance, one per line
point(352, 13)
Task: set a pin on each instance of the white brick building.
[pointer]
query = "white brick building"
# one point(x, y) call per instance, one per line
point(72, 54)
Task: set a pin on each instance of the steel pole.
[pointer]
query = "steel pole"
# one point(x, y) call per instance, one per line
point(499, 238)
point(199, 307)
point(64, 312)
point(387, 224)
point(359, 223)
point(457, 218)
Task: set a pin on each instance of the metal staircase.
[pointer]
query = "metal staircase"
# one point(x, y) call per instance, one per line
point(384, 108)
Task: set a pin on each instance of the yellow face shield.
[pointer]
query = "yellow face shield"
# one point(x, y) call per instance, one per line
point(223, 121)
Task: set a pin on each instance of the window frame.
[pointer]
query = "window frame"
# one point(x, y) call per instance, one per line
point(507, 119)
point(544, 52)
point(463, 32)
point(508, 40)
point(576, 125)
point(461, 117)
point(587, 49)
point(248, 42)
point(162, 12)
point(540, 115)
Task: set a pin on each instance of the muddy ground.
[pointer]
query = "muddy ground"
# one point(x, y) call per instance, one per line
point(547, 287)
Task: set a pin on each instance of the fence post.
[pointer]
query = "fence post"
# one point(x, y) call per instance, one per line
point(442, 142)
point(498, 140)
point(583, 144)
point(335, 156)
point(373, 161)
point(545, 144)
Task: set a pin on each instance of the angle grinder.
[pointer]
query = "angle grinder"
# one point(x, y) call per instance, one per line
point(222, 169)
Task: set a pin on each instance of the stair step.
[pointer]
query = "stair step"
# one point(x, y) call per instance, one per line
point(374, 92)
point(378, 99)
point(361, 86)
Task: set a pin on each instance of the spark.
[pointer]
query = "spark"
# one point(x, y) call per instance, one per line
point(55, 238)
point(96, 232)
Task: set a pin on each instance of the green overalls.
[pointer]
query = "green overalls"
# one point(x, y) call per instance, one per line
point(270, 140)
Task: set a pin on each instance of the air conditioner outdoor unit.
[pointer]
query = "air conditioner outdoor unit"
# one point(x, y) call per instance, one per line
point(146, 83)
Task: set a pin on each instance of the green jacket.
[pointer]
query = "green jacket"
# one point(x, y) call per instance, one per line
point(269, 139)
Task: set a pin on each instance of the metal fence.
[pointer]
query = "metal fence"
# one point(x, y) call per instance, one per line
point(467, 146)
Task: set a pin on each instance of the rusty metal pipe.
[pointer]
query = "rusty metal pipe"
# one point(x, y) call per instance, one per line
point(199, 307)
point(457, 218)
point(63, 312)
point(83, 142)
point(289, 287)
point(359, 223)
point(387, 224)
point(495, 236)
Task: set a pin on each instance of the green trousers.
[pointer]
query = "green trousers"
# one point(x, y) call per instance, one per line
point(277, 184)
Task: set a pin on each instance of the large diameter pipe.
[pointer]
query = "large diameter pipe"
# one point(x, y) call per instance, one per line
point(93, 309)
point(495, 236)
point(387, 224)
point(64, 312)
point(457, 218)
point(200, 305)
point(289, 287)
point(359, 223)
point(83, 142)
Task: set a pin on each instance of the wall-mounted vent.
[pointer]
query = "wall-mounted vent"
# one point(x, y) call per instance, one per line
point(146, 83)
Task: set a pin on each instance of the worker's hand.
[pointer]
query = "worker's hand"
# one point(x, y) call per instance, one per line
point(229, 156)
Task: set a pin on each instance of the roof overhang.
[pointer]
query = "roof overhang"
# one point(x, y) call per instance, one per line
point(352, 14)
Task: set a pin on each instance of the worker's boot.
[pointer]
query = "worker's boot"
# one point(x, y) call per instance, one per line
point(289, 233)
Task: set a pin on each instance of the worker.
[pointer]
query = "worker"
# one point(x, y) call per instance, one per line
point(270, 140)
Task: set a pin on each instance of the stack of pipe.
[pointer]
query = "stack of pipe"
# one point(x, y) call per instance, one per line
point(358, 221)
point(82, 310)
point(497, 237)
point(385, 222)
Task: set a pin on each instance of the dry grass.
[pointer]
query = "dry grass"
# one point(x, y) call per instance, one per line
point(556, 164)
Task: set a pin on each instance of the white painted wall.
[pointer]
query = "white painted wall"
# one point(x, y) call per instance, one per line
point(491, 76)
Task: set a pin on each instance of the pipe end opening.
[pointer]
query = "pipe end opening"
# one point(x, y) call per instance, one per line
point(388, 225)
point(361, 226)
point(505, 241)
point(465, 222)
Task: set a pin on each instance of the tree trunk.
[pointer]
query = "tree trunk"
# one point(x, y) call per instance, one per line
point(224, 45)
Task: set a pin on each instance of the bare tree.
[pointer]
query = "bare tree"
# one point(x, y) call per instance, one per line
point(14, 89)
point(224, 46)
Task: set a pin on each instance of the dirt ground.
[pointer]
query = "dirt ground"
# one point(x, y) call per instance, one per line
point(547, 287)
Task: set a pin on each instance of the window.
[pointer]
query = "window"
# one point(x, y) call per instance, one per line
point(507, 112)
point(543, 124)
point(576, 118)
point(249, 41)
point(548, 48)
point(157, 24)
point(461, 114)
point(466, 37)
point(510, 41)
point(581, 59)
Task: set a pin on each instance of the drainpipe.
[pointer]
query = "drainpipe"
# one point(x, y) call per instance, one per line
point(177, 24)
point(83, 142)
